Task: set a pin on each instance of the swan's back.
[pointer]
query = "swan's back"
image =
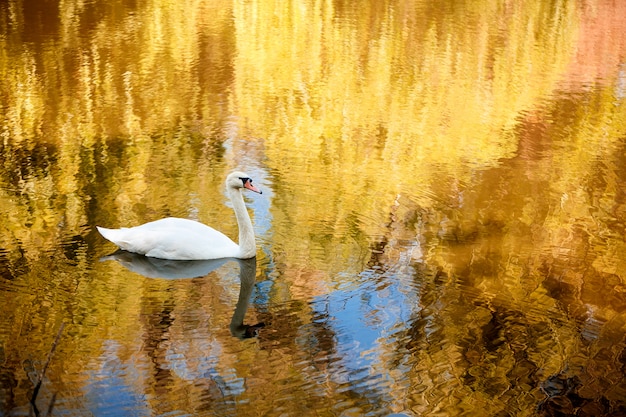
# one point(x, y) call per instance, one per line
point(173, 238)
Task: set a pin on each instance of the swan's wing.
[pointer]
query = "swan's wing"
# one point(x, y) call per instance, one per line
point(189, 247)
point(173, 238)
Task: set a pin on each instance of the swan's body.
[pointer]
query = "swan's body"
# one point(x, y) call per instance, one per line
point(183, 239)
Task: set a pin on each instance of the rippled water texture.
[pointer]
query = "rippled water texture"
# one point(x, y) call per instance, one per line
point(441, 229)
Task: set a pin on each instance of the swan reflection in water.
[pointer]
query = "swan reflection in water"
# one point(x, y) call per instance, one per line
point(169, 269)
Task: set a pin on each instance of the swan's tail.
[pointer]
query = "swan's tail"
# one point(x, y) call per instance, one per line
point(120, 238)
point(108, 234)
point(117, 236)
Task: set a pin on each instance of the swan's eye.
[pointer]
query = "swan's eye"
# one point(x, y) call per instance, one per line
point(244, 180)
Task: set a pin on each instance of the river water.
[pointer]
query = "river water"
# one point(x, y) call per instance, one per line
point(441, 230)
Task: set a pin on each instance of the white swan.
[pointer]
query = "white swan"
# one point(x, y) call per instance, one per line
point(182, 239)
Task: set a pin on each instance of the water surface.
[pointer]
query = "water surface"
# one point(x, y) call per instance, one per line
point(441, 229)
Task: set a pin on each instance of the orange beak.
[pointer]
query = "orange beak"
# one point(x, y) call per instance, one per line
point(249, 186)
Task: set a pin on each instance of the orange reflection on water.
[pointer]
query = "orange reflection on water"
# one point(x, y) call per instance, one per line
point(442, 228)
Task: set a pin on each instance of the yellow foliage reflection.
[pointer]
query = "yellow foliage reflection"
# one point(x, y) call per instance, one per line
point(469, 153)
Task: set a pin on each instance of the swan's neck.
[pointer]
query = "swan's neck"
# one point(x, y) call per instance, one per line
point(247, 243)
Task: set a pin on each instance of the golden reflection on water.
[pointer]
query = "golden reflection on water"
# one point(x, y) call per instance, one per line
point(442, 228)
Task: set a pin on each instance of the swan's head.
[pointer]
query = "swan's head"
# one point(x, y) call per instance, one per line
point(238, 180)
